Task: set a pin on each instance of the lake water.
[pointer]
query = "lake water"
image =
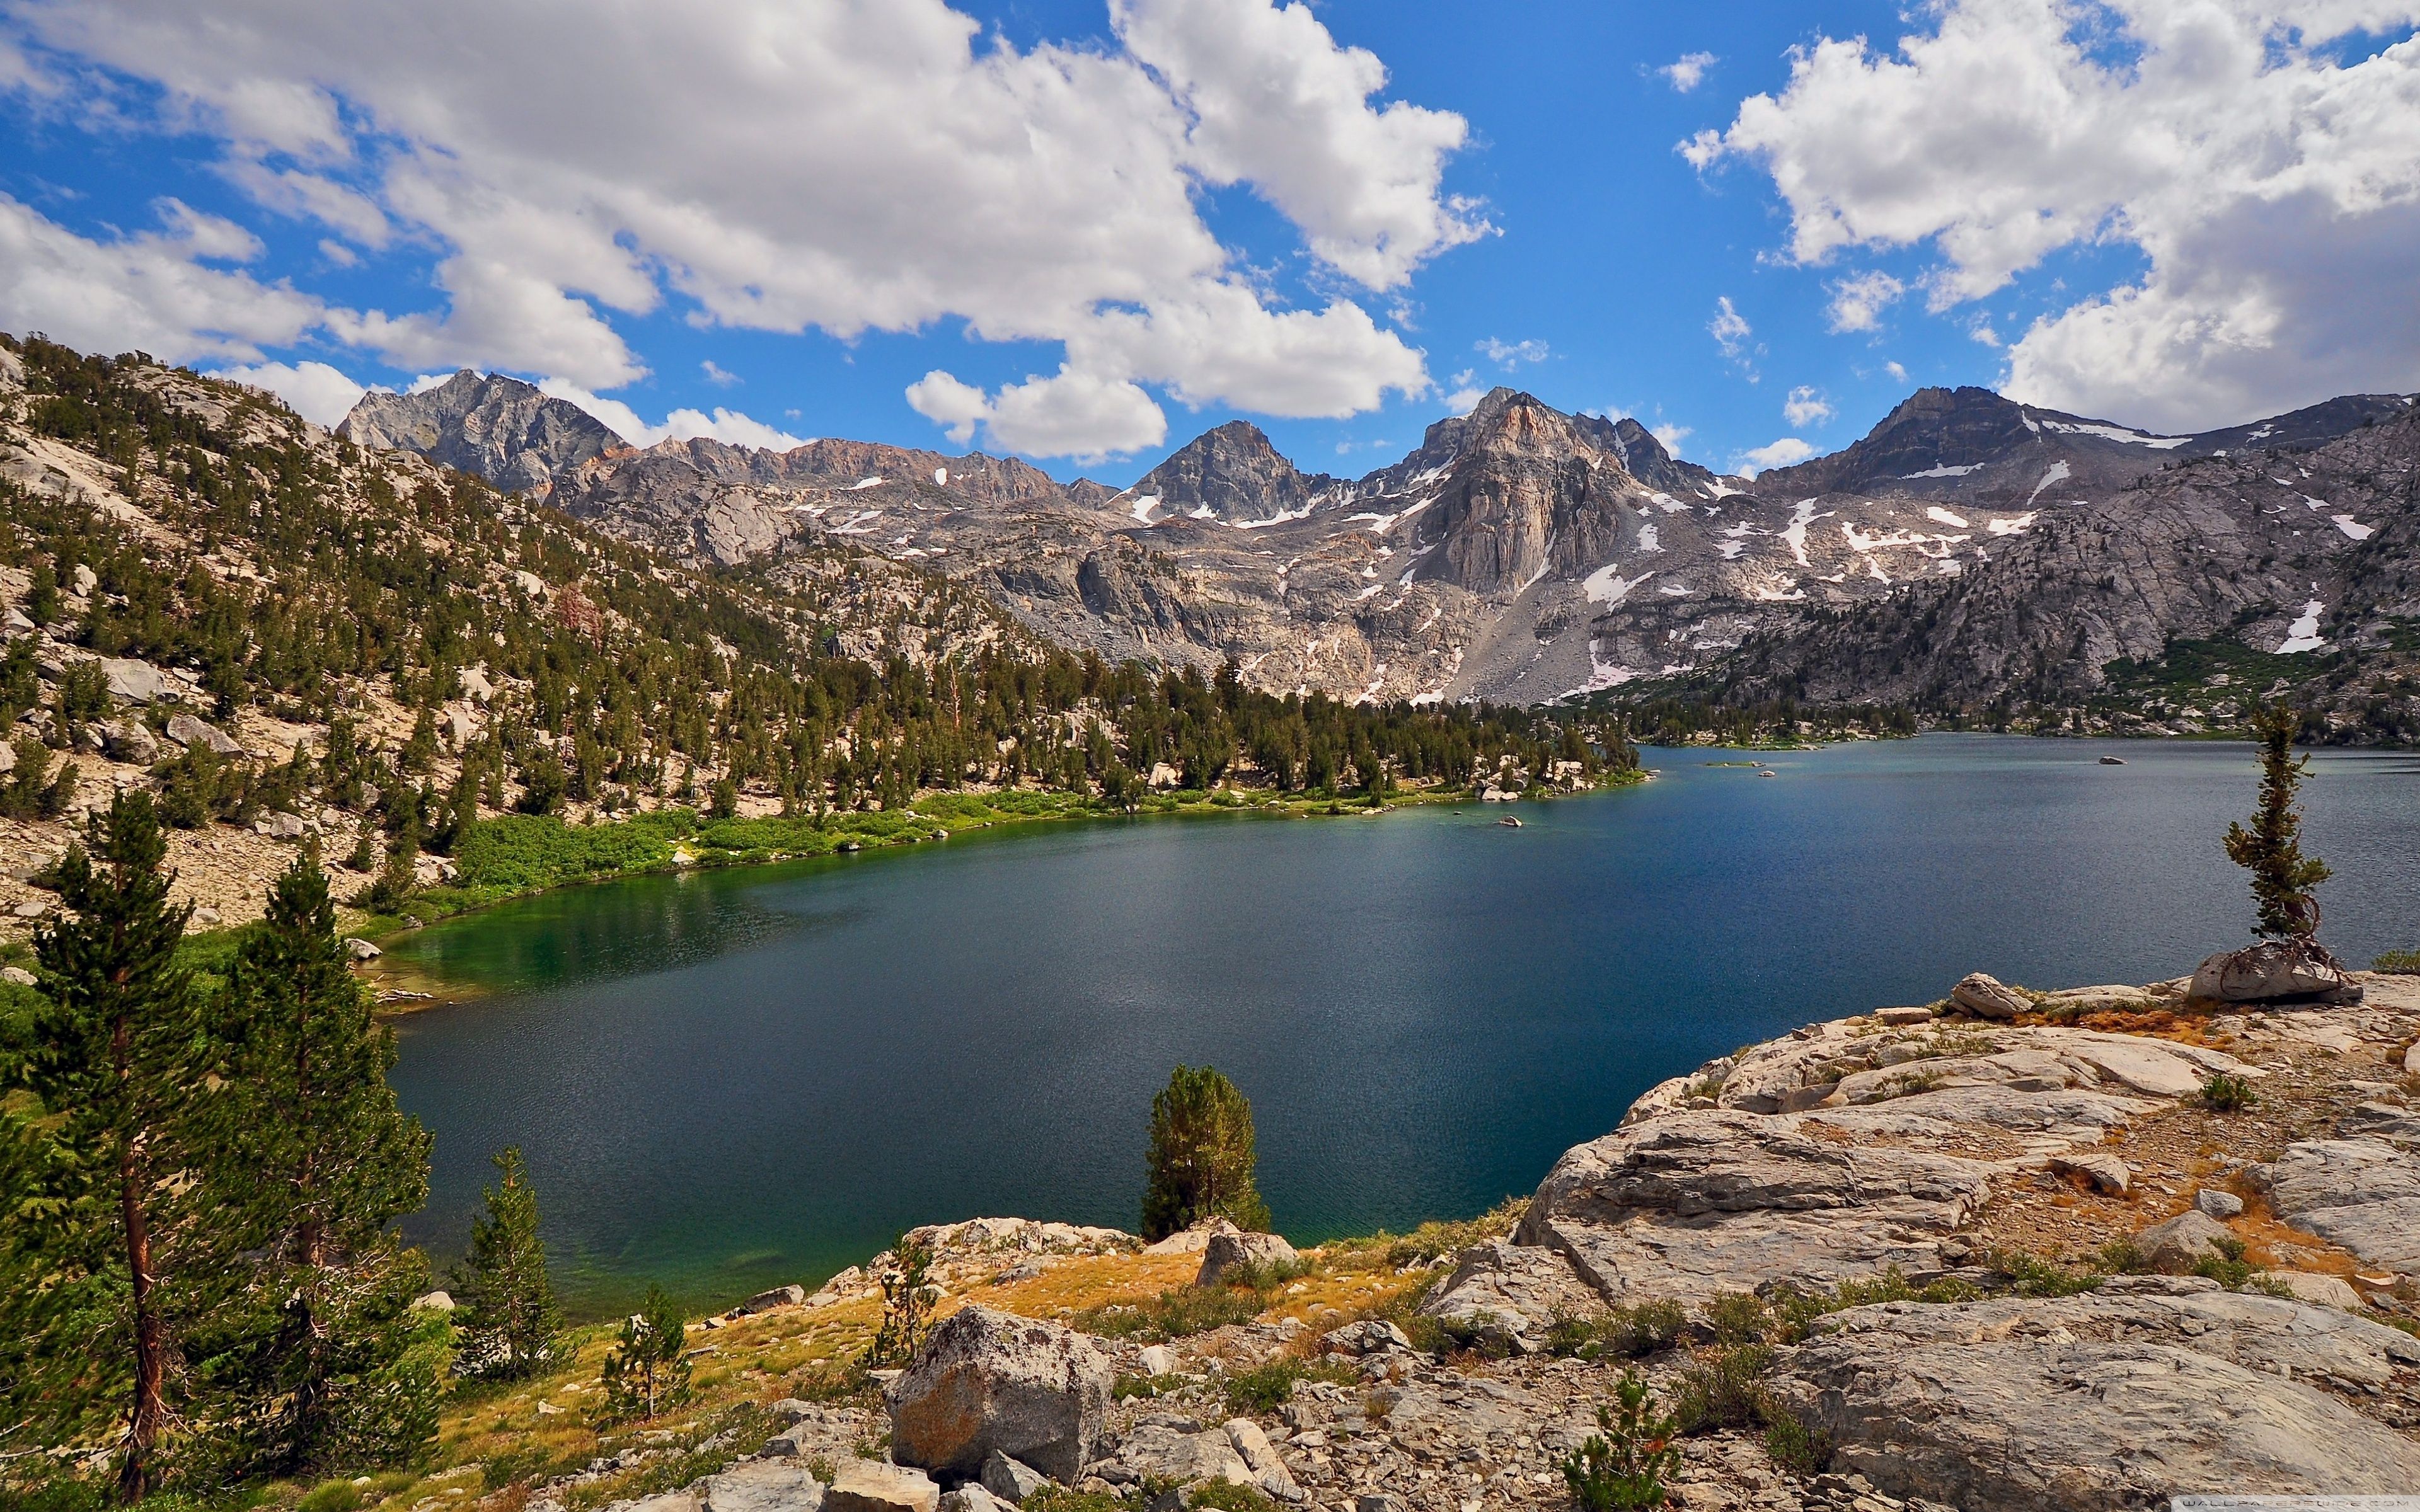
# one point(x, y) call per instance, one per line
point(733, 1079)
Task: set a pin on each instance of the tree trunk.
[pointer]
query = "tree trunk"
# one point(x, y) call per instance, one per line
point(134, 1474)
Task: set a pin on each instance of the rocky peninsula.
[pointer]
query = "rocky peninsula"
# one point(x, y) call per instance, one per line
point(2010, 1252)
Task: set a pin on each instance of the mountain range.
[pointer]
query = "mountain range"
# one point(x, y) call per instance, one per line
point(1969, 551)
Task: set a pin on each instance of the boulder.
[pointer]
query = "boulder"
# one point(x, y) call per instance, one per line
point(1185, 1453)
point(2183, 1241)
point(17, 976)
point(761, 1486)
point(2325, 1291)
point(1011, 1480)
point(435, 1301)
point(1902, 1017)
point(1986, 998)
point(278, 825)
point(361, 950)
point(778, 1297)
point(1192, 1240)
point(2276, 971)
point(84, 578)
point(2102, 1171)
point(1227, 1251)
point(988, 1382)
point(2145, 1389)
point(973, 1497)
point(870, 1486)
point(137, 682)
point(1507, 1295)
point(131, 741)
point(1157, 1360)
point(2218, 1204)
point(189, 732)
point(1371, 1335)
point(1269, 1472)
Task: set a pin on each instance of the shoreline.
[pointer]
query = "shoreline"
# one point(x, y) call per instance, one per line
point(429, 990)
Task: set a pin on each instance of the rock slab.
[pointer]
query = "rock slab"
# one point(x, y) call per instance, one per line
point(868, 1486)
point(1225, 1252)
point(2276, 971)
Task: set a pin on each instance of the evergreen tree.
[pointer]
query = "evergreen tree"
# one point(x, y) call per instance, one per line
point(342, 1366)
point(1201, 1156)
point(2271, 849)
point(645, 1373)
point(119, 1062)
point(509, 1319)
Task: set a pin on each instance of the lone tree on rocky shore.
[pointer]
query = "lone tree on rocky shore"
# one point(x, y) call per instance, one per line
point(2271, 849)
point(1201, 1156)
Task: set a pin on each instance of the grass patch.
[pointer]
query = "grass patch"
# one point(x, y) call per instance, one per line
point(1264, 1389)
point(1175, 1314)
point(2223, 1093)
point(2398, 963)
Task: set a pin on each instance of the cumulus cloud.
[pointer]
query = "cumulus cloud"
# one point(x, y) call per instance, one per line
point(315, 390)
point(1069, 414)
point(150, 291)
point(1465, 393)
point(1671, 436)
point(2260, 156)
point(718, 375)
point(1899, 374)
point(1780, 454)
point(1805, 407)
point(1689, 71)
point(844, 167)
point(680, 426)
point(1858, 303)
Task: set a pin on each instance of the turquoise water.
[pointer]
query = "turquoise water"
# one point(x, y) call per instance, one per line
point(728, 1080)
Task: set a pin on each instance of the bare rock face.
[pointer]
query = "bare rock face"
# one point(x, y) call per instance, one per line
point(1232, 474)
point(1225, 1252)
point(2276, 971)
point(1507, 1295)
point(870, 1486)
point(2363, 1193)
point(2121, 1398)
point(188, 732)
point(501, 428)
point(1986, 997)
point(988, 1382)
point(762, 1485)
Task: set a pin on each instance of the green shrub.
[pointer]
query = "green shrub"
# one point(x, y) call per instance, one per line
point(1623, 1468)
point(2399, 963)
point(2032, 1276)
point(1264, 1389)
point(1634, 1332)
point(1723, 1388)
point(1793, 1445)
point(331, 1496)
point(2223, 1093)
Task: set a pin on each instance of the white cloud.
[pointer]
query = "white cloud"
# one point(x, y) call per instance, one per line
point(315, 390)
point(1510, 355)
point(1729, 329)
point(150, 291)
point(840, 167)
point(2273, 189)
point(716, 375)
point(1780, 454)
point(1805, 407)
point(1899, 374)
point(1689, 70)
point(1671, 436)
point(1070, 413)
point(1858, 303)
point(1981, 331)
point(680, 426)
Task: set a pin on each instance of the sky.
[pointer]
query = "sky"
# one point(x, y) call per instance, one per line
point(1085, 231)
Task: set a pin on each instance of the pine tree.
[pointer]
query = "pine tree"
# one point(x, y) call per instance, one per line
point(2271, 849)
point(1201, 1156)
point(344, 1365)
point(118, 1062)
point(509, 1320)
point(645, 1373)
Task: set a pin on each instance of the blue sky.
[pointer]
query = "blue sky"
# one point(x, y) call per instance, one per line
point(1755, 226)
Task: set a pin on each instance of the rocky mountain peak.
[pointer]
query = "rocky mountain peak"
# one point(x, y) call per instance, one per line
point(501, 428)
point(1229, 473)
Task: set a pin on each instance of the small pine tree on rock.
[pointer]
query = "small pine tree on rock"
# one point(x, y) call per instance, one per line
point(1201, 1156)
point(2270, 847)
point(509, 1323)
point(645, 1373)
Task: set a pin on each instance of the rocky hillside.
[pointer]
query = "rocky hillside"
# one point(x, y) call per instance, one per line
point(2003, 1253)
point(2167, 603)
point(1517, 553)
point(285, 634)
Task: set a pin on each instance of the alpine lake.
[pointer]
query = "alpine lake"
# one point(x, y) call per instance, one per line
point(728, 1080)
